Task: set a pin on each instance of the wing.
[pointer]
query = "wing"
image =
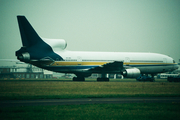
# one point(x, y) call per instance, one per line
point(112, 67)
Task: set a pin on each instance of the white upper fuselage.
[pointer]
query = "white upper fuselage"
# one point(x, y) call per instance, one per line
point(147, 63)
point(114, 56)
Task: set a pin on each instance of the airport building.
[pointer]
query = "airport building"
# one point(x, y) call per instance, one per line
point(24, 72)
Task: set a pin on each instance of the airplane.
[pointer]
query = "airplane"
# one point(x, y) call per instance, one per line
point(50, 54)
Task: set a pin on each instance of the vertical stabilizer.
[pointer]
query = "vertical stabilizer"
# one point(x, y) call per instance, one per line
point(34, 48)
point(28, 34)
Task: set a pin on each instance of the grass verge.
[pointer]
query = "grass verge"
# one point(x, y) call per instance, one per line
point(58, 89)
point(135, 111)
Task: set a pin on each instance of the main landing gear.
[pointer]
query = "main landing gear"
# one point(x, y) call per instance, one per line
point(102, 79)
point(82, 78)
point(146, 78)
point(78, 79)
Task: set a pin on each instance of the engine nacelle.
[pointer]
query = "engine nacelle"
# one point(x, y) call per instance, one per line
point(131, 73)
point(56, 44)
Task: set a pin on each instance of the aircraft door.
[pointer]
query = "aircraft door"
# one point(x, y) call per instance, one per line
point(164, 60)
point(165, 68)
point(79, 59)
point(127, 60)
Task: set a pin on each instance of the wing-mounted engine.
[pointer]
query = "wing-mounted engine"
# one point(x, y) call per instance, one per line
point(56, 44)
point(131, 73)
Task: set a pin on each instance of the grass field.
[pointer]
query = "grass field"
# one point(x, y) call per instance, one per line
point(17, 89)
point(58, 89)
point(132, 111)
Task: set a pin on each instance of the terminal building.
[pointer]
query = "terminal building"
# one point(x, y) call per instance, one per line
point(24, 72)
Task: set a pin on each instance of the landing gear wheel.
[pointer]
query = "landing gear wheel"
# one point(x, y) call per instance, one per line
point(102, 79)
point(146, 78)
point(152, 80)
point(78, 79)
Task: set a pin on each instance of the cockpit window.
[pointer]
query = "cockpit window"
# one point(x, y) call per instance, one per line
point(174, 61)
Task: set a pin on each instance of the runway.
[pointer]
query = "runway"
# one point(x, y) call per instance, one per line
point(69, 80)
point(42, 102)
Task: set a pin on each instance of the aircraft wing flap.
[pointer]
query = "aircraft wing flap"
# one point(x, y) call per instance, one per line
point(109, 67)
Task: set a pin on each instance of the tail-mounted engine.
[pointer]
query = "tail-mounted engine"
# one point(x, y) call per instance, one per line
point(34, 48)
point(131, 73)
point(23, 55)
point(56, 44)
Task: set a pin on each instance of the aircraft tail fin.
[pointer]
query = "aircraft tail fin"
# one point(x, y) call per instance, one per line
point(29, 36)
point(34, 48)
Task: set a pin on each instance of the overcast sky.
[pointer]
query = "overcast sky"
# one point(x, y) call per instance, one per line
point(95, 25)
